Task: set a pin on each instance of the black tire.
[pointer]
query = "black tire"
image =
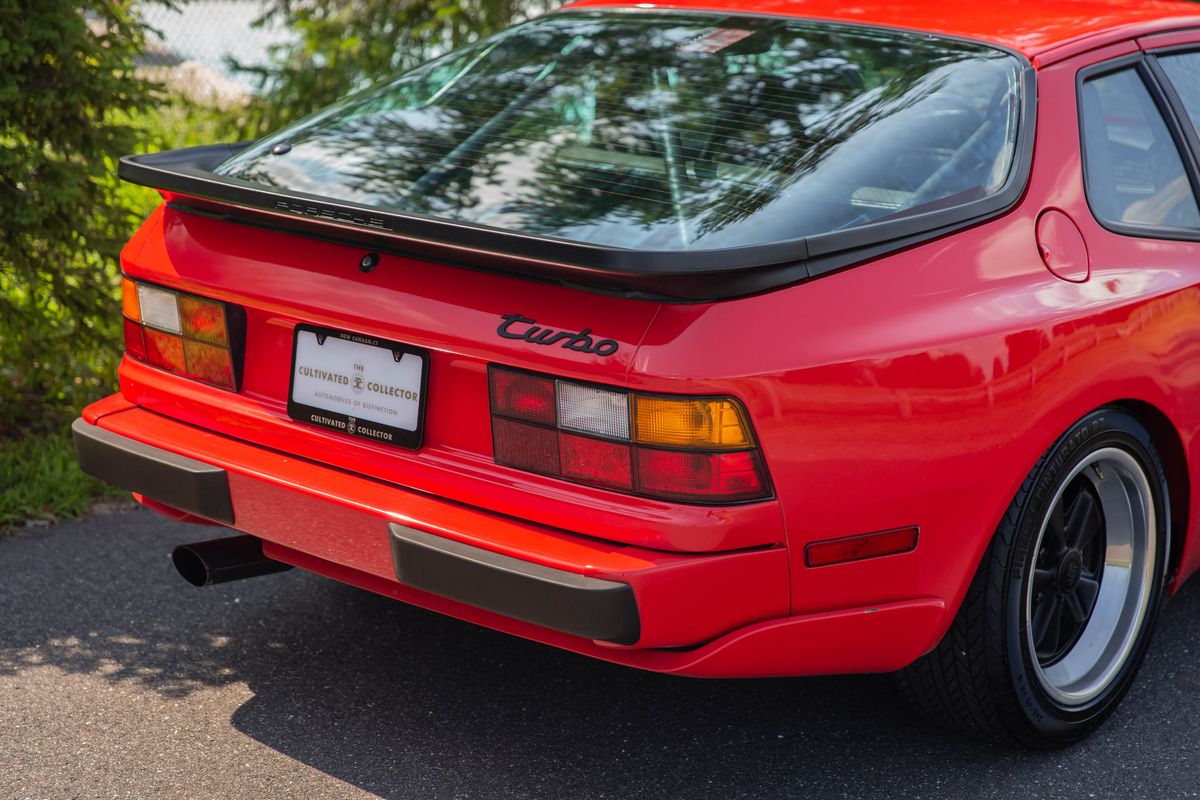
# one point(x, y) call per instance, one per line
point(988, 677)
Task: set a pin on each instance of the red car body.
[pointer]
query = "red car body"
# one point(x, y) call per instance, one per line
point(917, 389)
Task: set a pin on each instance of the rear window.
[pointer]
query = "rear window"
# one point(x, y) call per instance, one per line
point(667, 131)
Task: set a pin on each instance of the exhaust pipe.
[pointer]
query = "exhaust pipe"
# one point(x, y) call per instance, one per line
point(224, 560)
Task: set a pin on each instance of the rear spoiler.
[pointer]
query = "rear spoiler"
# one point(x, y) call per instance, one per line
point(186, 180)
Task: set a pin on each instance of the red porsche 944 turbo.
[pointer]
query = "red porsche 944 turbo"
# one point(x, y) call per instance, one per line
point(718, 339)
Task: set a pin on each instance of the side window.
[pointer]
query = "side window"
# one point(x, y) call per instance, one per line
point(1135, 175)
point(1184, 72)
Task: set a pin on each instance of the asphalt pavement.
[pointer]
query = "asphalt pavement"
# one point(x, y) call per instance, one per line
point(119, 680)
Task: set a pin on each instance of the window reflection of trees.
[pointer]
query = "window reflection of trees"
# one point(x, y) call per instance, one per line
point(555, 131)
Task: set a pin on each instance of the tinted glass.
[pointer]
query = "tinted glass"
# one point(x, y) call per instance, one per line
point(1184, 72)
point(1134, 171)
point(667, 131)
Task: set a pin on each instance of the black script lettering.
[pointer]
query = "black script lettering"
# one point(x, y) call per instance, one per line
point(510, 319)
point(581, 342)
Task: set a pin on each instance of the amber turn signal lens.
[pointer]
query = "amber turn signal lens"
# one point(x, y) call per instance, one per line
point(707, 423)
point(129, 300)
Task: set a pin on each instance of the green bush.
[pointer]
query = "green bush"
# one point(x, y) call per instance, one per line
point(50, 485)
point(67, 93)
point(70, 105)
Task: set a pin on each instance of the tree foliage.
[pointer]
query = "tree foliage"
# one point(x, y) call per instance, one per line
point(71, 104)
point(67, 90)
point(346, 45)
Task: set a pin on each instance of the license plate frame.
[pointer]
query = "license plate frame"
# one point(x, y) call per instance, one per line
point(338, 419)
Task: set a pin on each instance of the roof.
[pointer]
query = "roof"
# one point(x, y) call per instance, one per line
point(1032, 27)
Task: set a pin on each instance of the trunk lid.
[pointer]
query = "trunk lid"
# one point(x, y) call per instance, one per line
point(456, 315)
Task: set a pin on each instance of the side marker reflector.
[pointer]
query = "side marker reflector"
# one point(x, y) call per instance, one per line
point(857, 548)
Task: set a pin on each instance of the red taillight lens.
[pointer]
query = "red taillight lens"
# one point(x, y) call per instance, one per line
point(524, 446)
point(692, 476)
point(181, 333)
point(203, 320)
point(595, 461)
point(520, 395)
point(588, 434)
point(165, 350)
point(135, 343)
point(209, 363)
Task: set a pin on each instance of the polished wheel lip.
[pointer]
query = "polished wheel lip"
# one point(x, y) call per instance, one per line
point(1127, 579)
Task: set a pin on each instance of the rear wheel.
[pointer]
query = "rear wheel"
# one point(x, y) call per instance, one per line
point(1060, 612)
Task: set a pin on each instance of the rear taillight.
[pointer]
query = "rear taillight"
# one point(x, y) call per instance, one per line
point(688, 449)
point(181, 333)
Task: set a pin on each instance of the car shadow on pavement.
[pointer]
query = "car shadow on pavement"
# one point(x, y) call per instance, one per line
point(405, 703)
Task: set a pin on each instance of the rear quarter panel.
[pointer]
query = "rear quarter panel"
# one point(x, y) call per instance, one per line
point(922, 388)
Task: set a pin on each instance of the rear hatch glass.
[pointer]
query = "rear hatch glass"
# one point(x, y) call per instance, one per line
point(667, 131)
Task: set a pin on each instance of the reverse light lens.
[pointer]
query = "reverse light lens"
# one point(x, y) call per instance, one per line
point(181, 333)
point(704, 450)
point(716, 423)
point(591, 410)
point(159, 308)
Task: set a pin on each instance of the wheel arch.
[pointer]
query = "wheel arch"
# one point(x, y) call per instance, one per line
point(959, 682)
point(1167, 440)
point(1169, 444)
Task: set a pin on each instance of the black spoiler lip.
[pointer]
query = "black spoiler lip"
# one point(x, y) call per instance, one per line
point(682, 275)
point(185, 176)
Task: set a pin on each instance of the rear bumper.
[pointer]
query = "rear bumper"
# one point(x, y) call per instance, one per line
point(719, 615)
point(591, 608)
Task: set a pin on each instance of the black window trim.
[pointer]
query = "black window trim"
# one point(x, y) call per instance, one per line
point(1176, 120)
point(671, 276)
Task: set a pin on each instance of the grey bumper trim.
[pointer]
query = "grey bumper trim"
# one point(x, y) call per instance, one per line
point(177, 481)
point(552, 598)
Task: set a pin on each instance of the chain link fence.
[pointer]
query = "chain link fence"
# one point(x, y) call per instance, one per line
point(191, 47)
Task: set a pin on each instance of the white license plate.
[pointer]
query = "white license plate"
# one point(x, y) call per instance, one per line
point(359, 385)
